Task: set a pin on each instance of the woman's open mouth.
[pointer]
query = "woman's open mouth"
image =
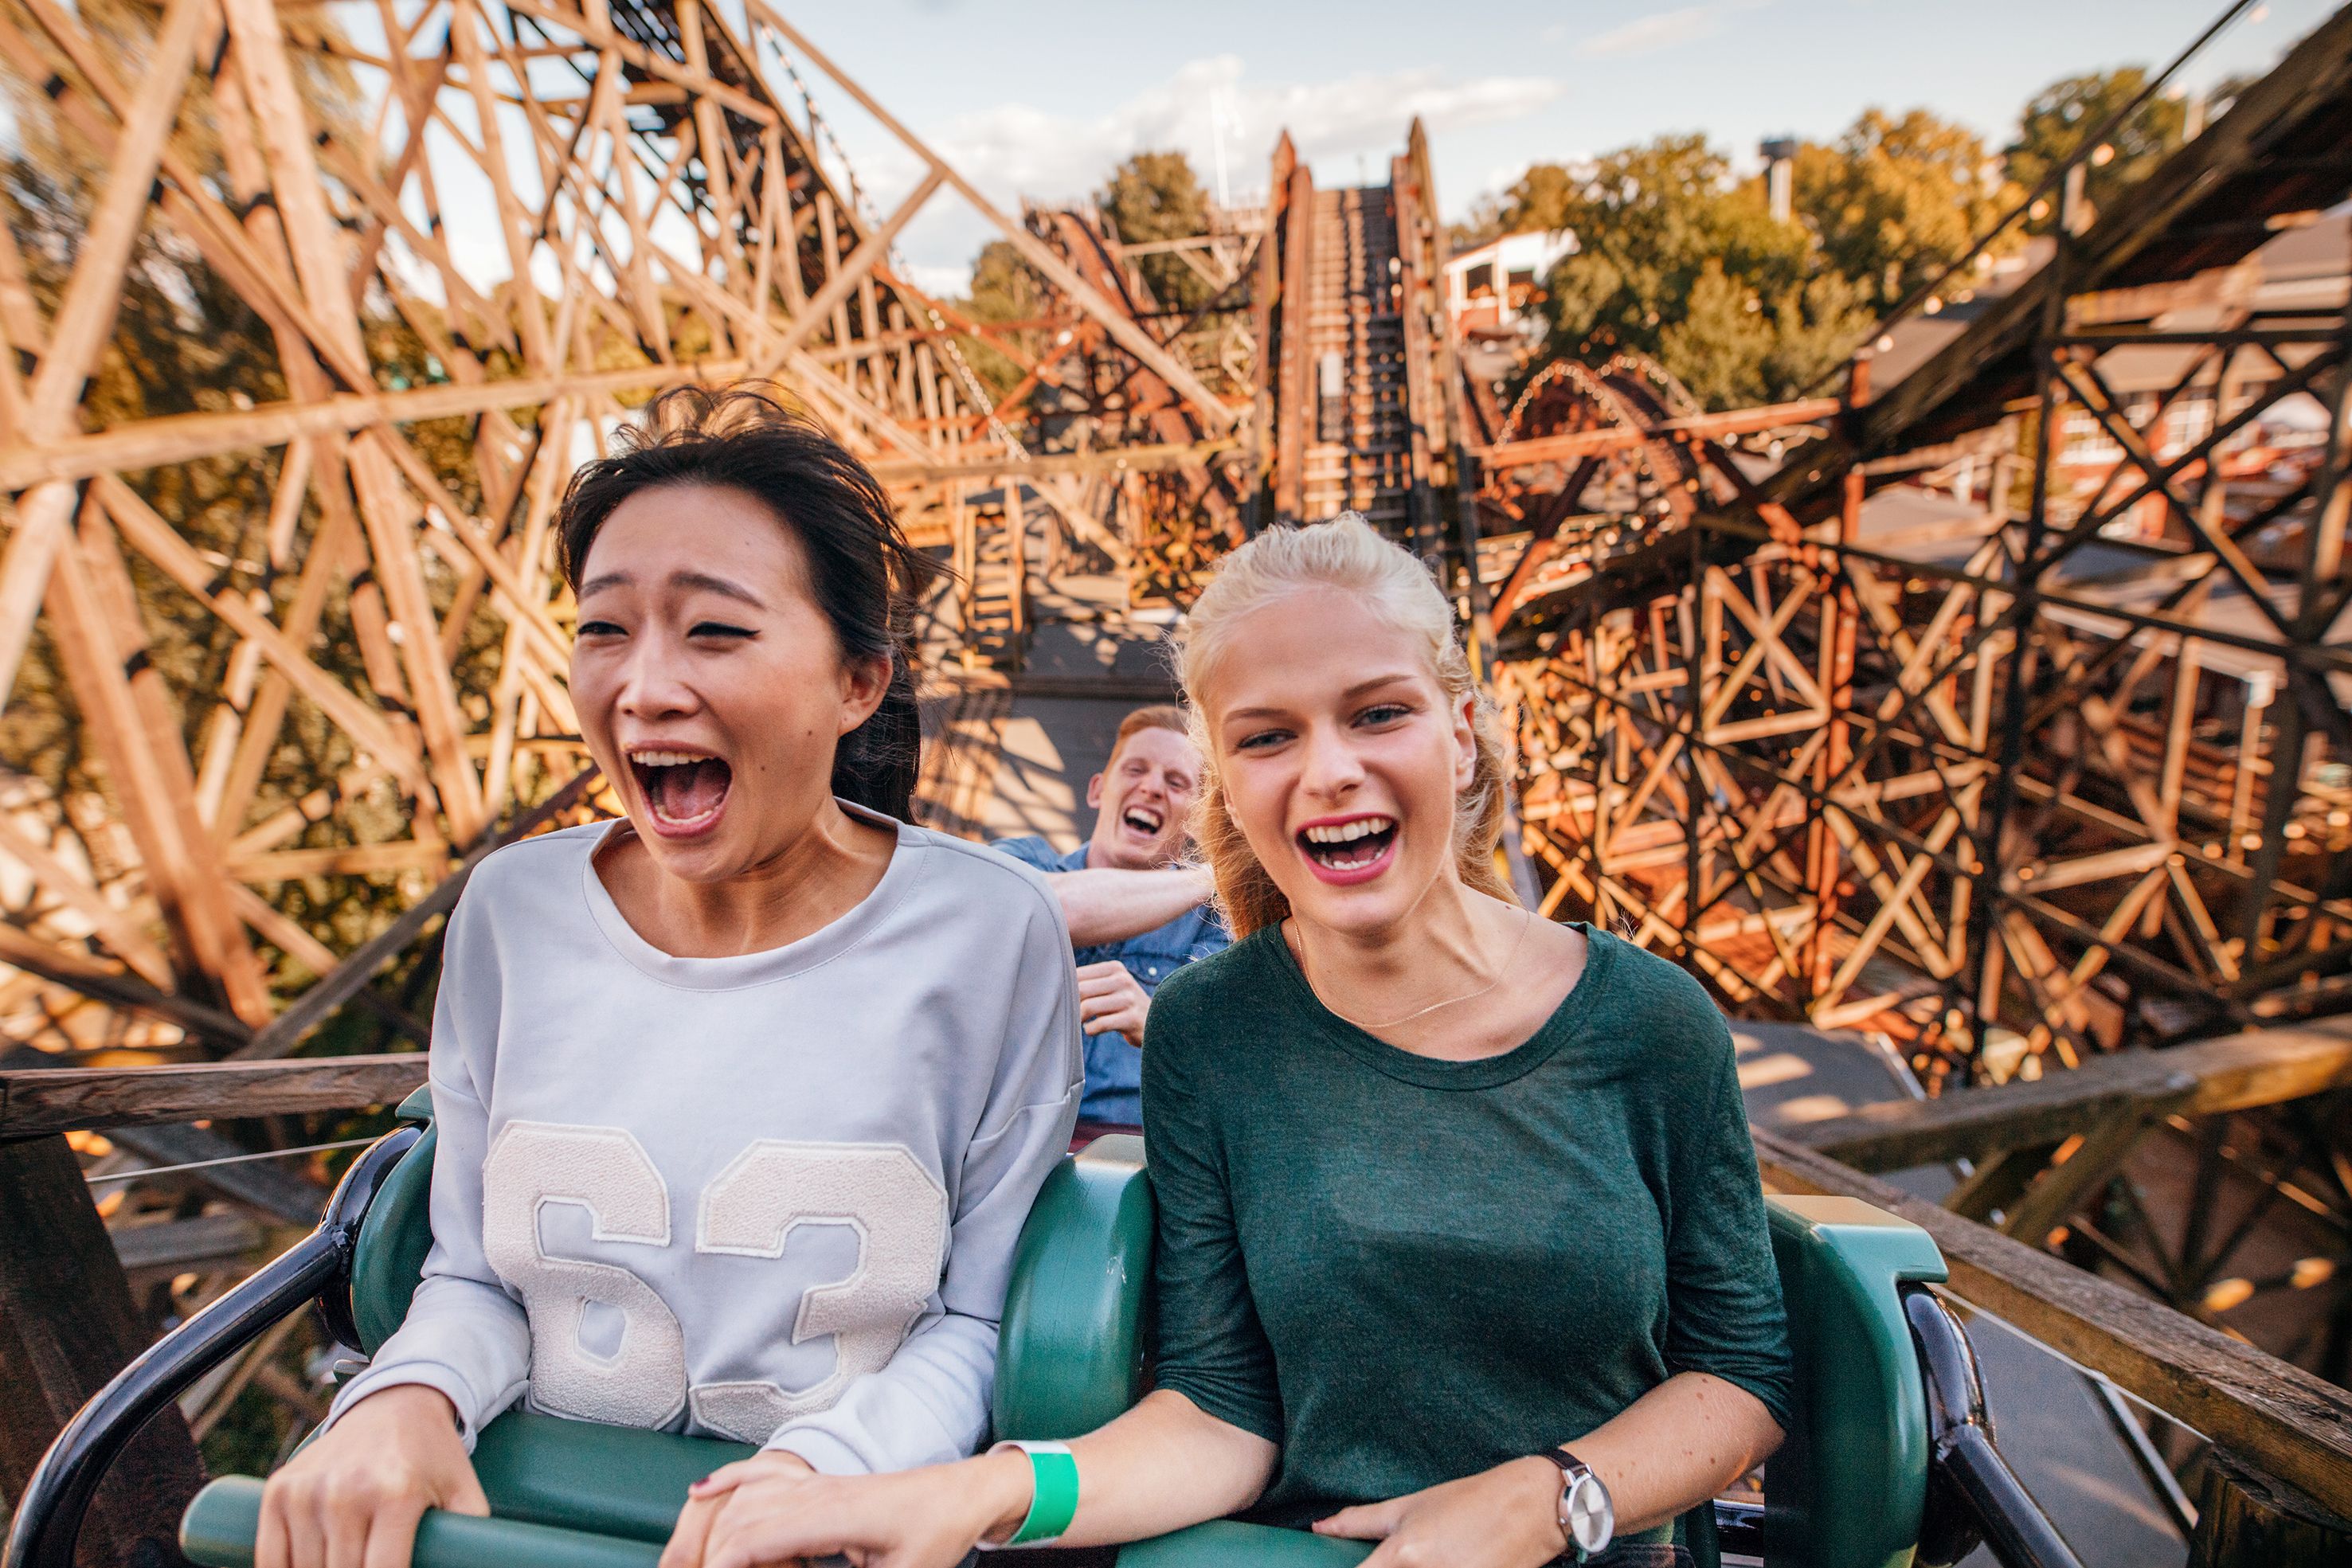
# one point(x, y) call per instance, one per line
point(685, 790)
point(1351, 850)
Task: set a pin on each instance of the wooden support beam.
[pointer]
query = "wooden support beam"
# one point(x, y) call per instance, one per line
point(274, 1186)
point(315, 1006)
point(100, 981)
point(67, 1325)
point(2234, 1072)
point(175, 1245)
point(83, 319)
point(38, 1101)
point(162, 544)
point(1118, 323)
point(1108, 460)
point(2065, 1186)
point(184, 438)
point(856, 270)
point(2245, 1518)
point(1574, 444)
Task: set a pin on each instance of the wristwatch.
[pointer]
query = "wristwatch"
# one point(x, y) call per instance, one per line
point(1586, 1515)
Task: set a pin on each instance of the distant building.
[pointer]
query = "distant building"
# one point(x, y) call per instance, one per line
point(1492, 292)
point(2172, 393)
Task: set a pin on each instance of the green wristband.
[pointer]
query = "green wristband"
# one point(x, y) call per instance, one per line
point(1053, 1493)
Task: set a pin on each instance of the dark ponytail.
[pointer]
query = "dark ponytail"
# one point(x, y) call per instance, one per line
point(865, 579)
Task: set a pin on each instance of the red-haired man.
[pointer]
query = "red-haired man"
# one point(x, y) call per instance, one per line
point(1136, 915)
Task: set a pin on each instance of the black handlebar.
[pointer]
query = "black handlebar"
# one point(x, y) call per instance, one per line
point(1972, 1494)
point(50, 1515)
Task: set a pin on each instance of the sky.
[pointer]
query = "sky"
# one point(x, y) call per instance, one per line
point(1042, 99)
point(1028, 98)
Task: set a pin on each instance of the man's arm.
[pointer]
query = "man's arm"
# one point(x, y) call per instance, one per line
point(1107, 904)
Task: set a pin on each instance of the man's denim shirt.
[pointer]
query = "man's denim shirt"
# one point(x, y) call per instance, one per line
point(1114, 1066)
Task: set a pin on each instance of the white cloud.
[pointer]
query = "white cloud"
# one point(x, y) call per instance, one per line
point(1021, 149)
point(940, 280)
point(1017, 150)
point(1666, 30)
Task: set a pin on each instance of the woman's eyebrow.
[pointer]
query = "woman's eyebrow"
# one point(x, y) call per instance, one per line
point(701, 580)
point(718, 585)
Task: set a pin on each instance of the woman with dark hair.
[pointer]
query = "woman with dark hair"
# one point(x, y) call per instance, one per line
point(741, 1110)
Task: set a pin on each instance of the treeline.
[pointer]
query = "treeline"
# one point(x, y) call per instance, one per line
point(1679, 259)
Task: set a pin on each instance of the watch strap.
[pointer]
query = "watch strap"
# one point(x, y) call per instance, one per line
point(1570, 1467)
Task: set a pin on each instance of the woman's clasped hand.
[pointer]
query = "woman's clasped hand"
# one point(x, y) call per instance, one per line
point(1503, 1518)
point(758, 1511)
point(323, 1510)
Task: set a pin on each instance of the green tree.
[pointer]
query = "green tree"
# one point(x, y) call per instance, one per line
point(1718, 343)
point(1156, 196)
point(1003, 289)
point(1539, 199)
point(2057, 119)
point(1815, 327)
point(1895, 200)
point(1675, 259)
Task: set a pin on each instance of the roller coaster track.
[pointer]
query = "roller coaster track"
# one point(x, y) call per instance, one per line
point(1788, 755)
point(313, 647)
point(1356, 389)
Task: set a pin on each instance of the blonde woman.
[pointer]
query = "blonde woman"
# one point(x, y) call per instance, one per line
point(1461, 1245)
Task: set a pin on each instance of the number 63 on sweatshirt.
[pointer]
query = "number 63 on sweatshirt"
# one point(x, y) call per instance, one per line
point(772, 1198)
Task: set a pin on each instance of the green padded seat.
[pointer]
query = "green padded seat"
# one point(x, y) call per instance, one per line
point(563, 1492)
point(1846, 1490)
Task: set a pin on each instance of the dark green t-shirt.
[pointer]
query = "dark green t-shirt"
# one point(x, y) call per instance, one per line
point(1407, 1271)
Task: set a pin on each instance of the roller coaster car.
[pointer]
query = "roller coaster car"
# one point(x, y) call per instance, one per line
point(1889, 1462)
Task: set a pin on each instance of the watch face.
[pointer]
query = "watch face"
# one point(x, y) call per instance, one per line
point(1591, 1519)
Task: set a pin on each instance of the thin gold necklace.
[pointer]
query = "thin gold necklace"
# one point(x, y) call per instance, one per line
point(1528, 923)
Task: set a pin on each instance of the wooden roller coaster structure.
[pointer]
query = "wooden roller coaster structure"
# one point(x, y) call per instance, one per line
point(1947, 784)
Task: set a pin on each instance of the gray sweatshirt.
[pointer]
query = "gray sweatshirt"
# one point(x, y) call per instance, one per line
point(771, 1198)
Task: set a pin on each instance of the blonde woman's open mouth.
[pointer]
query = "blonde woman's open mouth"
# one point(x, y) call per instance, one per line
point(685, 788)
point(1344, 851)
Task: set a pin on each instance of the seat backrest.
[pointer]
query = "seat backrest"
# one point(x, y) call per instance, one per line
point(1848, 1487)
point(1070, 1354)
point(394, 1236)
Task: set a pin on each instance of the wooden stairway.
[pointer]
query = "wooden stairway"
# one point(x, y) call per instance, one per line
point(993, 569)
